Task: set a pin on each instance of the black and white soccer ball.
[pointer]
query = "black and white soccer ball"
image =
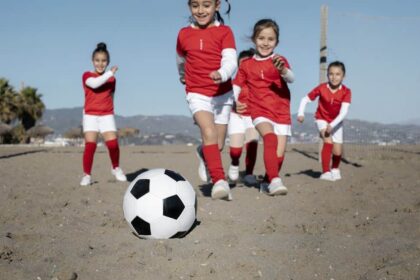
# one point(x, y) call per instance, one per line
point(160, 204)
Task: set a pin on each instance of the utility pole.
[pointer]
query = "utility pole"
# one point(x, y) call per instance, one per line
point(323, 47)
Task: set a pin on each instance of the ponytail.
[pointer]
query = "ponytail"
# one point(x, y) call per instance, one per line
point(219, 17)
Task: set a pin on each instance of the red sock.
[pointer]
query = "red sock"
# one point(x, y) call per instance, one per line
point(114, 152)
point(326, 157)
point(280, 162)
point(90, 148)
point(251, 156)
point(336, 161)
point(235, 154)
point(214, 162)
point(270, 155)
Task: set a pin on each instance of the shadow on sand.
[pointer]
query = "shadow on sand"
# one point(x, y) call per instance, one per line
point(23, 153)
point(343, 160)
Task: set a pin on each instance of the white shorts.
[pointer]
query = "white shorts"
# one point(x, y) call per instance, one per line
point(279, 129)
point(239, 124)
point(220, 105)
point(337, 133)
point(99, 123)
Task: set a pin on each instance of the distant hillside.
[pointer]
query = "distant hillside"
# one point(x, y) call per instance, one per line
point(356, 131)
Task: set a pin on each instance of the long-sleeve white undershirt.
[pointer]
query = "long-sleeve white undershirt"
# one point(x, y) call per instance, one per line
point(180, 64)
point(229, 64)
point(289, 77)
point(343, 113)
point(99, 81)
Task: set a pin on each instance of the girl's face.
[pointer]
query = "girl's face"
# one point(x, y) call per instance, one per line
point(265, 42)
point(203, 11)
point(100, 62)
point(335, 76)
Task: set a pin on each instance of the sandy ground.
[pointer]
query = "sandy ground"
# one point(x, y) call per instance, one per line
point(366, 226)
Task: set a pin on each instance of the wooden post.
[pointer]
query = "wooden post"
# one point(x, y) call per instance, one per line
point(323, 65)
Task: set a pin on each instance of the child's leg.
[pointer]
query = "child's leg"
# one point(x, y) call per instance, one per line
point(281, 148)
point(211, 152)
point(236, 144)
point(89, 152)
point(337, 152)
point(326, 153)
point(270, 149)
point(251, 136)
point(111, 142)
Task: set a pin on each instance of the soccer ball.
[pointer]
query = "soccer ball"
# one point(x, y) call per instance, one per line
point(160, 204)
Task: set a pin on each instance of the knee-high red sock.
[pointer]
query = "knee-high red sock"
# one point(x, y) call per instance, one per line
point(214, 162)
point(326, 157)
point(114, 152)
point(90, 148)
point(336, 161)
point(235, 154)
point(270, 155)
point(280, 162)
point(251, 156)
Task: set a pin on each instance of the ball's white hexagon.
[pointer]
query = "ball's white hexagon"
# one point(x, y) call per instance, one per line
point(149, 174)
point(186, 193)
point(164, 228)
point(187, 219)
point(163, 186)
point(149, 207)
point(129, 206)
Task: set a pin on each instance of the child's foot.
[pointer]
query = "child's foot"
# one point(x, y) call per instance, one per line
point(336, 174)
point(86, 180)
point(202, 169)
point(233, 172)
point(221, 190)
point(276, 187)
point(250, 180)
point(327, 176)
point(119, 174)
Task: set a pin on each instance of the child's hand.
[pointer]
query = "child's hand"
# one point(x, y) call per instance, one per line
point(240, 107)
point(328, 130)
point(279, 64)
point(114, 69)
point(300, 119)
point(216, 77)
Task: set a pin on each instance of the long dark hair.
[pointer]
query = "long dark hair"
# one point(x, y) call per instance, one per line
point(101, 48)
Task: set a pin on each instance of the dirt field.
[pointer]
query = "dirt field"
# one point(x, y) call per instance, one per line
point(366, 226)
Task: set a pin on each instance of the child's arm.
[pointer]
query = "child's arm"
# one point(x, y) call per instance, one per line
point(301, 112)
point(343, 112)
point(283, 66)
point(180, 63)
point(227, 68)
point(99, 81)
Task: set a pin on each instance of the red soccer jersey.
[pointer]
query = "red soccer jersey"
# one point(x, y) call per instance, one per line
point(269, 95)
point(244, 98)
point(202, 49)
point(329, 104)
point(99, 101)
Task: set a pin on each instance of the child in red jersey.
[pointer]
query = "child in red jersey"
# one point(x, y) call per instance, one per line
point(240, 130)
point(206, 58)
point(98, 115)
point(266, 74)
point(333, 105)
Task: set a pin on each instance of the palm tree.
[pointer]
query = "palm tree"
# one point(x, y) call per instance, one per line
point(31, 107)
point(9, 102)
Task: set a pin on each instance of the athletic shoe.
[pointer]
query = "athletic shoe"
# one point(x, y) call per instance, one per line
point(119, 174)
point(327, 176)
point(221, 190)
point(233, 172)
point(336, 174)
point(276, 187)
point(250, 180)
point(86, 180)
point(202, 169)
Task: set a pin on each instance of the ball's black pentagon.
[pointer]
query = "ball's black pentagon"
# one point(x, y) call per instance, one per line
point(175, 176)
point(140, 188)
point(179, 234)
point(142, 227)
point(173, 207)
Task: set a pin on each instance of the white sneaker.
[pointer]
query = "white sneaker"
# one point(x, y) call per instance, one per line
point(202, 169)
point(327, 176)
point(250, 180)
point(276, 187)
point(119, 174)
point(86, 180)
point(336, 174)
point(221, 190)
point(233, 172)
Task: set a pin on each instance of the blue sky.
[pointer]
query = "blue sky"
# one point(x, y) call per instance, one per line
point(47, 44)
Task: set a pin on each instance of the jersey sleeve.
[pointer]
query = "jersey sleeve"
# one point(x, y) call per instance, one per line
point(347, 96)
point(228, 41)
point(286, 62)
point(179, 48)
point(316, 92)
point(240, 78)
